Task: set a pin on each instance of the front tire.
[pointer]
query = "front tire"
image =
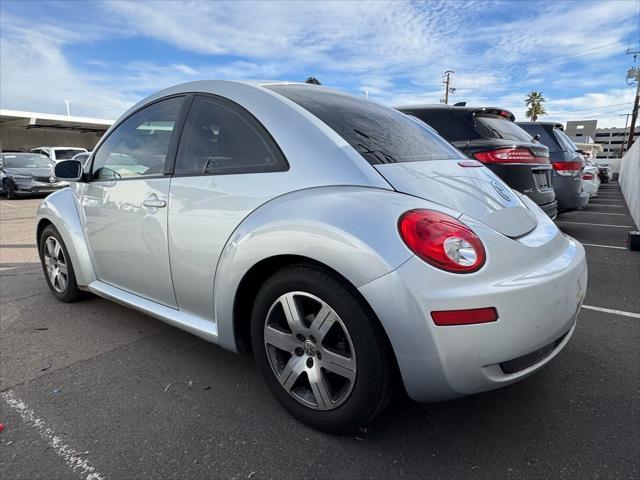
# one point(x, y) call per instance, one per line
point(57, 267)
point(320, 349)
point(9, 189)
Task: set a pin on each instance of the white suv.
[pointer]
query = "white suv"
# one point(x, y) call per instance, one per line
point(58, 153)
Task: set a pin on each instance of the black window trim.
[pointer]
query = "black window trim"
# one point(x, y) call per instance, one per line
point(243, 112)
point(171, 151)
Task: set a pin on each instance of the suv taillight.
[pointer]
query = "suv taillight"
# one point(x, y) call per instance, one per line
point(567, 168)
point(510, 155)
point(587, 176)
point(442, 241)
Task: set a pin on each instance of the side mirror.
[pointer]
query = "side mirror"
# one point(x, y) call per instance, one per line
point(70, 170)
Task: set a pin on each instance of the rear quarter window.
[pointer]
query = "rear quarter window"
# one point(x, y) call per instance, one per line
point(565, 141)
point(380, 134)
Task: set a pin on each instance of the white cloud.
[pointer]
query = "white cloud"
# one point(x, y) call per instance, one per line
point(394, 50)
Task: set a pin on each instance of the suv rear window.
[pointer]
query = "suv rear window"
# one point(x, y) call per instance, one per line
point(67, 154)
point(453, 129)
point(495, 126)
point(380, 134)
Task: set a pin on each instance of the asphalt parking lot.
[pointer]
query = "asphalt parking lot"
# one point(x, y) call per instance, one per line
point(95, 391)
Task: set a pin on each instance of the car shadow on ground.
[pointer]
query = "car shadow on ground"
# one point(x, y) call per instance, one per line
point(96, 366)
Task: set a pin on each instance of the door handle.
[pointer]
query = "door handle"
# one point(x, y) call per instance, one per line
point(154, 203)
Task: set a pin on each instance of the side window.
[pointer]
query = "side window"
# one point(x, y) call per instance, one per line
point(138, 147)
point(219, 137)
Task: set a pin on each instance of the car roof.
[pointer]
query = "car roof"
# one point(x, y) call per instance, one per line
point(59, 148)
point(277, 113)
point(21, 153)
point(554, 124)
point(455, 108)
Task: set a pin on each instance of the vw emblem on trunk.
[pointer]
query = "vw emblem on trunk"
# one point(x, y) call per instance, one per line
point(501, 190)
point(52, 179)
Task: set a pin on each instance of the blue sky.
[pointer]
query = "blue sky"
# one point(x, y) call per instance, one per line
point(107, 55)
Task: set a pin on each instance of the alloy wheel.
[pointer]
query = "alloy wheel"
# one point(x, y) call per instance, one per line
point(56, 264)
point(310, 350)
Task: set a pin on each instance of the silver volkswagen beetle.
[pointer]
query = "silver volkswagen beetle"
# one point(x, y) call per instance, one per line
point(345, 243)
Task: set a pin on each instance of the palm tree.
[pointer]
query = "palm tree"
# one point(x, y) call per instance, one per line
point(535, 102)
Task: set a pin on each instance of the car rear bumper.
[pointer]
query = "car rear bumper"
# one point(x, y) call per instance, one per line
point(569, 193)
point(537, 315)
point(551, 209)
point(30, 186)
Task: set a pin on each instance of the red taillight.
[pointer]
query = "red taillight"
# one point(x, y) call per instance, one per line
point(465, 317)
point(587, 176)
point(442, 241)
point(509, 155)
point(567, 168)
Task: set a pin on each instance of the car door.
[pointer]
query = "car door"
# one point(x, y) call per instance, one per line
point(227, 166)
point(124, 203)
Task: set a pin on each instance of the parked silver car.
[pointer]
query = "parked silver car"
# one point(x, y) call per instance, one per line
point(344, 242)
point(57, 154)
point(27, 173)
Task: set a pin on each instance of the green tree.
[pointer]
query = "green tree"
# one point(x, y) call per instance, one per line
point(535, 102)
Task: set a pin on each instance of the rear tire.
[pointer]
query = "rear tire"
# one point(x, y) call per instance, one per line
point(57, 267)
point(333, 378)
point(9, 189)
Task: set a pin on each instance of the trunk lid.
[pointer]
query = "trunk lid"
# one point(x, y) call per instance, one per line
point(473, 191)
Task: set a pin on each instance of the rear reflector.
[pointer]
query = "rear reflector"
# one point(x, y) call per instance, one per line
point(465, 317)
point(469, 163)
point(510, 155)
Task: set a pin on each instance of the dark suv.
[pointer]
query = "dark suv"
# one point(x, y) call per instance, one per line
point(567, 163)
point(491, 136)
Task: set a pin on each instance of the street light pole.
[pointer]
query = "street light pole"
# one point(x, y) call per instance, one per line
point(67, 102)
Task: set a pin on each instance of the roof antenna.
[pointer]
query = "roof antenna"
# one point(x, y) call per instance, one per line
point(312, 81)
point(460, 104)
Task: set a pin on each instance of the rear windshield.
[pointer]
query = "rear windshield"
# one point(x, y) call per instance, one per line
point(67, 154)
point(546, 138)
point(25, 161)
point(453, 129)
point(495, 126)
point(379, 134)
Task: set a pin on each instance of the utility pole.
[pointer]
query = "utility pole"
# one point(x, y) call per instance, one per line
point(633, 73)
point(448, 89)
point(624, 133)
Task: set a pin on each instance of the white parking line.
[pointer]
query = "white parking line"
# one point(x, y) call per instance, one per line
point(71, 457)
point(615, 312)
point(603, 246)
point(598, 213)
point(596, 224)
point(9, 205)
point(605, 205)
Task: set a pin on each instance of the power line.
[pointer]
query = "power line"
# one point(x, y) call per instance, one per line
point(592, 108)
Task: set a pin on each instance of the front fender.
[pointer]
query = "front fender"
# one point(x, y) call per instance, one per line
point(352, 230)
point(61, 209)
